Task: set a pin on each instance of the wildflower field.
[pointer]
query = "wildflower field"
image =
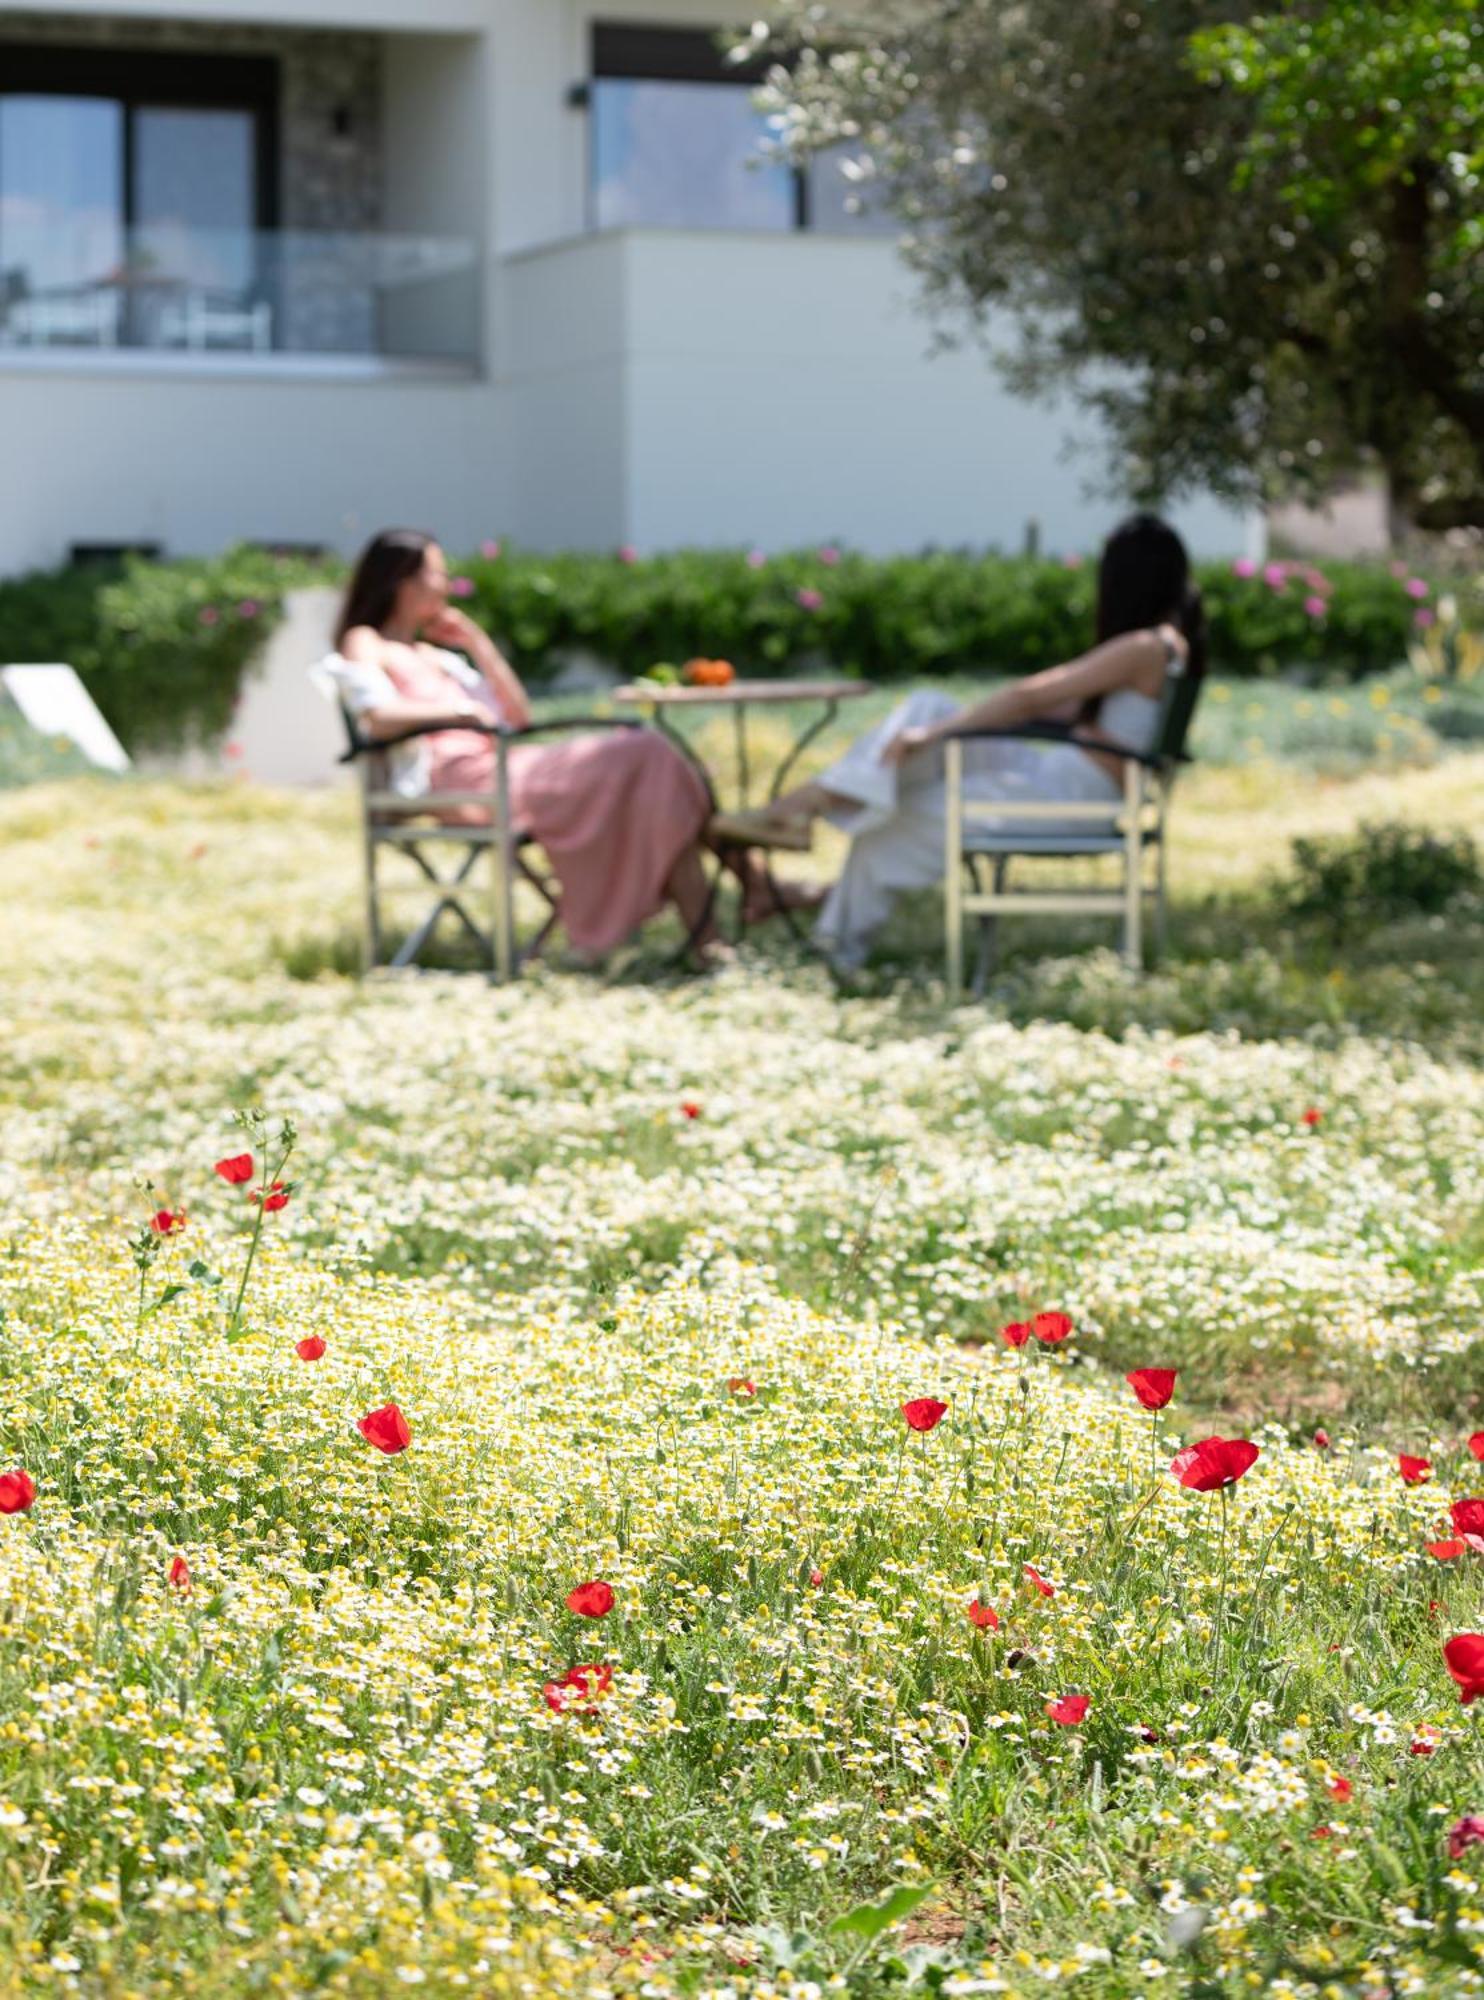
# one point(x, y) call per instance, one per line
point(608, 1545)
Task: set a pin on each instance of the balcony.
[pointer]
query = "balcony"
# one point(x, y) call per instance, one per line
point(270, 300)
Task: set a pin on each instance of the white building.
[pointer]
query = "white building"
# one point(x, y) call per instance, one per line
point(291, 270)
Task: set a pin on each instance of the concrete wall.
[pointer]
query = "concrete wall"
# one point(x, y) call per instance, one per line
point(680, 386)
point(196, 462)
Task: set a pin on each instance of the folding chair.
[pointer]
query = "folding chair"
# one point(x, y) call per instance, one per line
point(389, 819)
point(1130, 830)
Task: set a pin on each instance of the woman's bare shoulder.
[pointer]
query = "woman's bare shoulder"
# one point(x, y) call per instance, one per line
point(364, 643)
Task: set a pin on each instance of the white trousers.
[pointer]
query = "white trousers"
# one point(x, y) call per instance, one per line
point(897, 813)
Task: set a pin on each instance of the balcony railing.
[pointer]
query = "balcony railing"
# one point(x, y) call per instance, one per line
point(226, 292)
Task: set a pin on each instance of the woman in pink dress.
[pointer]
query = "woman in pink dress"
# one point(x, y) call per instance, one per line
point(620, 814)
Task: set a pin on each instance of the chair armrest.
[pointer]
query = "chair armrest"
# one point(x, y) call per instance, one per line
point(362, 746)
point(1061, 732)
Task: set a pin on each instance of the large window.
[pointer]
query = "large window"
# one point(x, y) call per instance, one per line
point(132, 193)
point(675, 140)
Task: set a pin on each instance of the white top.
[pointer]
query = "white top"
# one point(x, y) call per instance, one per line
point(363, 685)
point(1130, 718)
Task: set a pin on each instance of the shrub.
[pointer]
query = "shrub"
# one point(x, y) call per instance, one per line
point(899, 617)
point(1352, 881)
point(161, 647)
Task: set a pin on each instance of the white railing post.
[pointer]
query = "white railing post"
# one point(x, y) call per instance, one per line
point(953, 864)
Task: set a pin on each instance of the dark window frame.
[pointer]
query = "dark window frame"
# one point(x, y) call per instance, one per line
point(138, 79)
point(634, 52)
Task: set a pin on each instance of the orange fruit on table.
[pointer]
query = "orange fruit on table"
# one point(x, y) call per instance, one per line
point(709, 673)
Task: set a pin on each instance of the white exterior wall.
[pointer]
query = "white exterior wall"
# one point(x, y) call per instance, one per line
point(653, 387)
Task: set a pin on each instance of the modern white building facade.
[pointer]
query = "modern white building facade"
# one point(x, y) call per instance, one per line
point(290, 270)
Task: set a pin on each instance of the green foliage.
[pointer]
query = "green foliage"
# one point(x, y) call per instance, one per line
point(1380, 873)
point(908, 617)
point(1256, 253)
point(161, 647)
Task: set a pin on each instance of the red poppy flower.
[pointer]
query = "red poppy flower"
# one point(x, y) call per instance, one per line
point(168, 1221)
point(235, 1170)
point(1069, 1711)
point(1312, 1117)
point(1446, 1551)
point(1422, 1746)
point(1341, 1789)
point(738, 1385)
point(816, 1578)
point(1213, 1463)
point(180, 1573)
point(1034, 1577)
point(276, 1198)
point(1051, 1327)
point(578, 1686)
point(983, 1616)
point(591, 1600)
point(1016, 1334)
point(1468, 1520)
point(310, 1348)
point(1321, 1440)
point(925, 1413)
point(1464, 1658)
point(1153, 1386)
point(689, 1108)
point(386, 1428)
point(1476, 1444)
point(1415, 1471)
point(17, 1491)
point(1465, 1833)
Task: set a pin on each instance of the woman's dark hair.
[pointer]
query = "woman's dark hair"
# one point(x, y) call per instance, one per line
point(1144, 581)
point(385, 564)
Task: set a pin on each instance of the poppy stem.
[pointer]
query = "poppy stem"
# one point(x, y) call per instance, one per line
point(270, 1175)
point(1226, 1494)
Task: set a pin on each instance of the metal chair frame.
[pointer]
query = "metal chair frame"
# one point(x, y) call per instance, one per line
point(391, 820)
point(1131, 829)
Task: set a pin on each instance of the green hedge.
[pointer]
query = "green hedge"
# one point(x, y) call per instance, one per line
point(913, 616)
point(163, 646)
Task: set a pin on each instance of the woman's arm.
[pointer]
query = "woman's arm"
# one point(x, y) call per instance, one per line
point(457, 629)
point(1054, 692)
point(388, 712)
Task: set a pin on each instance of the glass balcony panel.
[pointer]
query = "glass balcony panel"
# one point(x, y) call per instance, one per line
point(181, 285)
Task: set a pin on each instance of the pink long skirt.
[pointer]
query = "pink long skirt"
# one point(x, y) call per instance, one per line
point(614, 813)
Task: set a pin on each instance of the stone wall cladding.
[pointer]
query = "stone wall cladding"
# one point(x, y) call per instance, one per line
point(329, 182)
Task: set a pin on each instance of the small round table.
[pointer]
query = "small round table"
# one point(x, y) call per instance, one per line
point(741, 697)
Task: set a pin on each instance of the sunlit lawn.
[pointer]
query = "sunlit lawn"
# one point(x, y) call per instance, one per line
point(650, 1262)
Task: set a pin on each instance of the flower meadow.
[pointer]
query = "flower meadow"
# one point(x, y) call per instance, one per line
point(712, 1488)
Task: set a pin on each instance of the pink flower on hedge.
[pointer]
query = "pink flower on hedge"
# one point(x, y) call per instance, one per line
point(460, 586)
point(1275, 576)
point(1244, 566)
point(209, 615)
point(490, 549)
point(1315, 606)
point(829, 555)
point(1415, 587)
point(1423, 618)
point(1071, 562)
point(249, 608)
point(628, 553)
point(755, 559)
point(809, 600)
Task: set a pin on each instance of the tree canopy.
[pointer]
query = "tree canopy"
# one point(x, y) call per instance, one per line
point(1253, 242)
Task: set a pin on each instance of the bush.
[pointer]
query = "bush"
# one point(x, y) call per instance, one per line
point(161, 647)
point(1379, 874)
point(901, 617)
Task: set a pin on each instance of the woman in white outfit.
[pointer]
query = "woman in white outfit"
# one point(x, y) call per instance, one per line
point(887, 791)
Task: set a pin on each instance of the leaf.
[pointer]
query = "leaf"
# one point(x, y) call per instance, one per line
point(202, 1273)
point(869, 1920)
point(170, 1292)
